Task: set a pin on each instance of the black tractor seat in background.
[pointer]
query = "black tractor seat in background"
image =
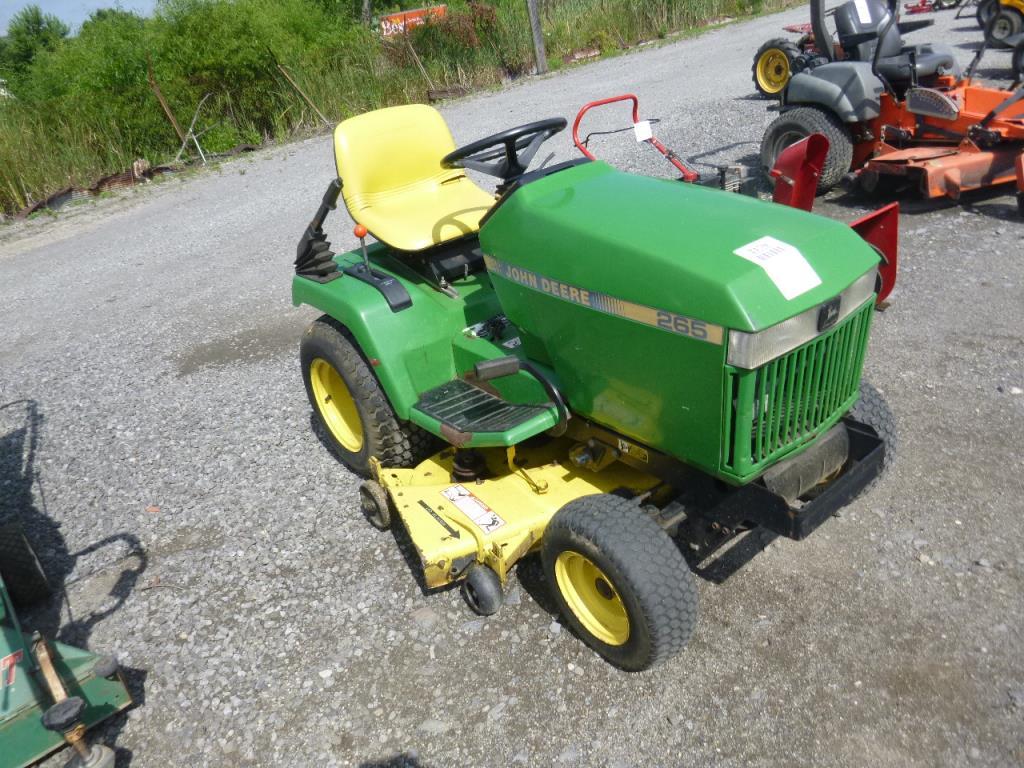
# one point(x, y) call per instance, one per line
point(858, 37)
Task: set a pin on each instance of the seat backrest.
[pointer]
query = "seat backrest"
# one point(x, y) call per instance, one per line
point(388, 149)
point(858, 17)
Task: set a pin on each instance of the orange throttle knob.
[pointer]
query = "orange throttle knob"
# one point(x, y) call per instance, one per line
point(360, 231)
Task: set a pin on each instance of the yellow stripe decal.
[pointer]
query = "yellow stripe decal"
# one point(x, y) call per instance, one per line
point(609, 305)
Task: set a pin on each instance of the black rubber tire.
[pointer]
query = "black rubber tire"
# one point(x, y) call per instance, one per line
point(394, 442)
point(986, 10)
point(645, 567)
point(481, 589)
point(376, 505)
point(793, 125)
point(789, 48)
point(1003, 25)
point(873, 409)
point(20, 568)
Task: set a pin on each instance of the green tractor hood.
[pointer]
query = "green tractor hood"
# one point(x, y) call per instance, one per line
point(672, 246)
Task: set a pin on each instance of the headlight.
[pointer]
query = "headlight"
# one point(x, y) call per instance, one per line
point(752, 350)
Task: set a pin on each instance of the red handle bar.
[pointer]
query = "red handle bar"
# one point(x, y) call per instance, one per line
point(688, 174)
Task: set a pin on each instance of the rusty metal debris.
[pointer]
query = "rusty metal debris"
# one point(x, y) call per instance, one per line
point(141, 172)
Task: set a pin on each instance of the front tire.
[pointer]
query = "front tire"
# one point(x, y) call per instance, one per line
point(350, 406)
point(620, 581)
point(773, 66)
point(799, 123)
point(873, 409)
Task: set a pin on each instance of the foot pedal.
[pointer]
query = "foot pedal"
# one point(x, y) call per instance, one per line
point(466, 415)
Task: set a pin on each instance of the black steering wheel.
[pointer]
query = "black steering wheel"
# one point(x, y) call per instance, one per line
point(506, 154)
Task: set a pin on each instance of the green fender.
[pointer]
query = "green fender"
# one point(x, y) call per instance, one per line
point(415, 349)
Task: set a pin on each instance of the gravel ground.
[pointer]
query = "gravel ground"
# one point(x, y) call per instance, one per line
point(157, 444)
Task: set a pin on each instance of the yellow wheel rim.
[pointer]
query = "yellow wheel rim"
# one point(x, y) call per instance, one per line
point(773, 70)
point(592, 598)
point(336, 405)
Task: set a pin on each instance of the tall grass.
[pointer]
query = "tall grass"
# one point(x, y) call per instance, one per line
point(87, 109)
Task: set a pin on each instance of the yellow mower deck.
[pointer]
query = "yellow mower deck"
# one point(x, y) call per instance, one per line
point(497, 520)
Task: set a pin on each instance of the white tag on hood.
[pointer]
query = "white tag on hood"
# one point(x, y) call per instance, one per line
point(784, 264)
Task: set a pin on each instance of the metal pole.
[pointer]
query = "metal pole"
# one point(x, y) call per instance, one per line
point(538, 37)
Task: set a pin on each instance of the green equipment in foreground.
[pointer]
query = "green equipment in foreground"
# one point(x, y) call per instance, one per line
point(50, 693)
point(618, 372)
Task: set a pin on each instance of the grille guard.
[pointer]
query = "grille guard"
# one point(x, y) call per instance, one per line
point(755, 504)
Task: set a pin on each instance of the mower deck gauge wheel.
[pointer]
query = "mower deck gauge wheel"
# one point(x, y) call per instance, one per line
point(373, 500)
point(482, 591)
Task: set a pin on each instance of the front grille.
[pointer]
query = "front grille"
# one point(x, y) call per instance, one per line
point(795, 397)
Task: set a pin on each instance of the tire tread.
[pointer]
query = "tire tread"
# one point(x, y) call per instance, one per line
point(651, 561)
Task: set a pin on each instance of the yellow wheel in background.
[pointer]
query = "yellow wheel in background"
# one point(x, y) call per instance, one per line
point(592, 598)
point(773, 66)
point(336, 406)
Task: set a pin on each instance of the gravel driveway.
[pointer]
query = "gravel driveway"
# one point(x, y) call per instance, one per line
point(156, 442)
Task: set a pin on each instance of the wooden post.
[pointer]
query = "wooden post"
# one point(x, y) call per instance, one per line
point(302, 93)
point(538, 37)
point(162, 100)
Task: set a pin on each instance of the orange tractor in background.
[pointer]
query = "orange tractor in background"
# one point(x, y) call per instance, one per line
point(903, 117)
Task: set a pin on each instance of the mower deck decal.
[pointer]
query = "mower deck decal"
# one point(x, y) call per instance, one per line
point(792, 274)
point(444, 523)
point(609, 305)
point(483, 516)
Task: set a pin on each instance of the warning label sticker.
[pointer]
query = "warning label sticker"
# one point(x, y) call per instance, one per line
point(482, 515)
point(785, 265)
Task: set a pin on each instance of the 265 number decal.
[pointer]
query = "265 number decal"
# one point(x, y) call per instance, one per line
point(683, 325)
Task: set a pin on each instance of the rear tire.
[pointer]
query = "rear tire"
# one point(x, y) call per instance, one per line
point(801, 122)
point(350, 406)
point(1003, 25)
point(20, 568)
point(620, 581)
point(773, 66)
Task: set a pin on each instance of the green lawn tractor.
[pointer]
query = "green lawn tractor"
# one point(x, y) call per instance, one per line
point(617, 372)
point(50, 693)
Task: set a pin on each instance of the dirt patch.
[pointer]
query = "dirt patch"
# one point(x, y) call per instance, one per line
point(246, 346)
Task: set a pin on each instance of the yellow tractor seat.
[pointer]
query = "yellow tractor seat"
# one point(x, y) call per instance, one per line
point(389, 163)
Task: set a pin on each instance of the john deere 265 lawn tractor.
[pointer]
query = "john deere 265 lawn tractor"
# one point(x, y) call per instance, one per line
point(618, 372)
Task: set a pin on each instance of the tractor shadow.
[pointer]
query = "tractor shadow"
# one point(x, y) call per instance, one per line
point(24, 504)
point(729, 558)
point(402, 760)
